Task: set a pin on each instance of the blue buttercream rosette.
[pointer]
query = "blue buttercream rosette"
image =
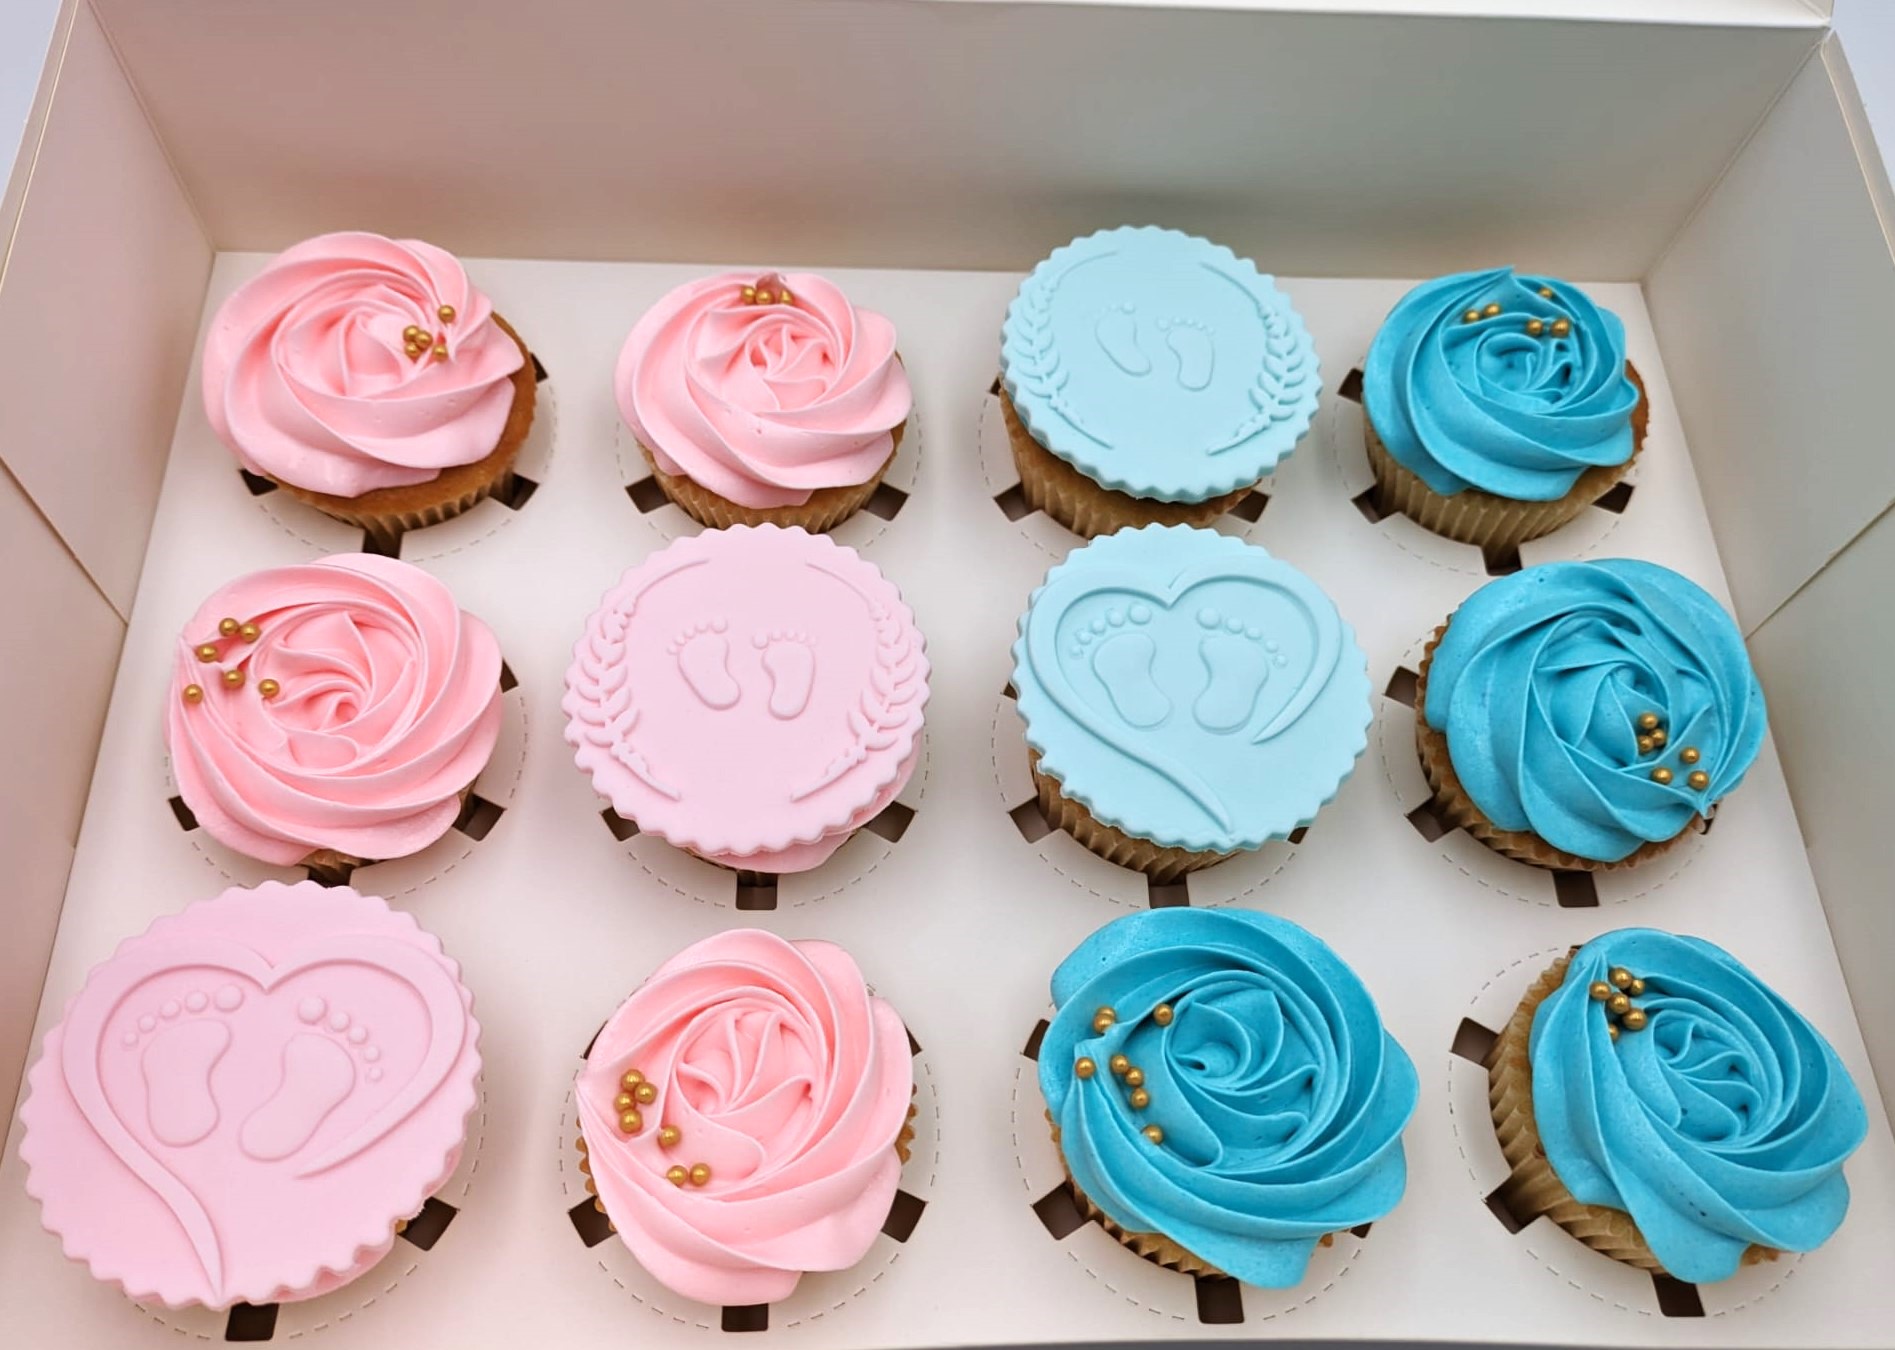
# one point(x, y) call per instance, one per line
point(1221, 1079)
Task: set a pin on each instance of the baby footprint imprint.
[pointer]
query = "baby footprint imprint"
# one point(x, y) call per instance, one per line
point(318, 1075)
point(703, 654)
point(1238, 662)
point(177, 1065)
point(1117, 332)
point(791, 662)
point(1190, 342)
point(1122, 659)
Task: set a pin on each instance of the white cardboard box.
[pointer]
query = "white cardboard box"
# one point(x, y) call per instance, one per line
point(1701, 164)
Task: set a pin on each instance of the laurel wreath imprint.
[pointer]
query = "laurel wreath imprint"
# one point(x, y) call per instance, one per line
point(887, 705)
point(607, 709)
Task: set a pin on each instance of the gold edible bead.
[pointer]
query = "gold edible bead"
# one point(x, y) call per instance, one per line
point(1635, 988)
point(227, 626)
point(1619, 976)
point(413, 333)
point(1634, 1020)
point(669, 1135)
point(193, 693)
point(1134, 1077)
point(447, 313)
point(1140, 1099)
point(765, 298)
point(1104, 1019)
point(631, 1079)
point(233, 678)
point(1661, 775)
point(440, 351)
point(1546, 292)
point(1153, 1133)
point(785, 298)
point(1535, 327)
point(269, 688)
point(1689, 754)
point(1490, 309)
point(207, 652)
point(1646, 745)
point(1618, 1005)
point(1085, 1068)
point(1561, 327)
point(1612, 1030)
point(1658, 736)
point(1162, 1014)
point(700, 1174)
point(625, 1102)
point(249, 632)
point(1647, 721)
point(677, 1176)
point(646, 1094)
point(1600, 990)
point(1472, 316)
point(1120, 1064)
point(750, 294)
point(631, 1122)
point(1699, 780)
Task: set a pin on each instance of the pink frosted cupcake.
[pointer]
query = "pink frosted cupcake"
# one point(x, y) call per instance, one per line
point(764, 399)
point(369, 378)
point(745, 1116)
point(753, 695)
point(244, 1103)
point(331, 713)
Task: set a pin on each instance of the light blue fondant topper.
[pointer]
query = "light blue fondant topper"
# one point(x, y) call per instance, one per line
point(1159, 364)
point(1190, 689)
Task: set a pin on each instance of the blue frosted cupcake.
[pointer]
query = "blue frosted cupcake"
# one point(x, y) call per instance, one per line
point(1497, 407)
point(1186, 697)
point(1663, 1105)
point(1581, 716)
point(1223, 1092)
point(1151, 377)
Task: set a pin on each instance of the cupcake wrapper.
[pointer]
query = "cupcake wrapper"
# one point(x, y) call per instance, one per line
point(826, 508)
point(1495, 524)
point(1052, 485)
point(1456, 808)
point(1161, 863)
point(332, 867)
point(1532, 1189)
point(386, 513)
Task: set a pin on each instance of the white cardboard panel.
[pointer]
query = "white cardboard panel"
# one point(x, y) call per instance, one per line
point(916, 133)
point(1774, 307)
point(96, 319)
point(961, 921)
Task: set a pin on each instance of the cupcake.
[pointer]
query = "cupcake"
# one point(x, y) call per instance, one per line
point(368, 378)
point(1150, 377)
point(1666, 1107)
point(1580, 716)
point(764, 399)
point(331, 713)
point(1498, 407)
point(752, 695)
point(744, 1116)
point(246, 1102)
point(1222, 1091)
point(1186, 696)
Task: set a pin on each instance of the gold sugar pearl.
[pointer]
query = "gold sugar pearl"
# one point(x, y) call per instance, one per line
point(447, 313)
point(765, 298)
point(1689, 754)
point(1104, 1019)
point(1561, 327)
point(1134, 1077)
point(1472, 316)
point(1646, 745)
point(233, 678)
point(631, 1122)
point(1162, 1014)
point(1618, 1005)
point(1153, 1133)
point(268, 688)
point(646, 1094)
point(631, 1079)
point(700, 1174)
point(1490, 309)
point(750, 295)
point(193, 693)
point(207, 652)
point(1600, 990)
point(1140, 1099)
point(1120, 1065)
point(1661, 776)
point(1658, 737)
point(785, 298)
point(1634, 1020)
point(440, 351)
point(1546, 292)
point(1635, 988)
point(249, 632)
point(1535, 327)
point(669, 1136)
point(412, 333)
point(1619, 977)
point(1647, 721)
point(625, 1102)
point(677, 1176)
point(1612, 1030)
point(227, 627)
point(1085, 1068)
point(1699, 780)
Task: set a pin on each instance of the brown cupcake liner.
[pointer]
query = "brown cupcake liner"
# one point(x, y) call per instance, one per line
point(1052, 485)
point(826, 508)
point(1162, 863)
point(1495, 524)
point(386, 513)
point(1532, 1189)
point(1456, 808)
point(332, 867)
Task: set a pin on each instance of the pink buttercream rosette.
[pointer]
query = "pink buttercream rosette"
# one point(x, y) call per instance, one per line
point(763, 403)
point(367, 702)
point(785, 1078)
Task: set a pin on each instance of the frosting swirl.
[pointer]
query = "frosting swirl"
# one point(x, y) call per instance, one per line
point(763, 402)
point(308, 375)
point(1490, 404)
point(367, 701)
point(785, 1078)
point(1280, 1098)
point(1725, 1122)
point(1540, 684)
